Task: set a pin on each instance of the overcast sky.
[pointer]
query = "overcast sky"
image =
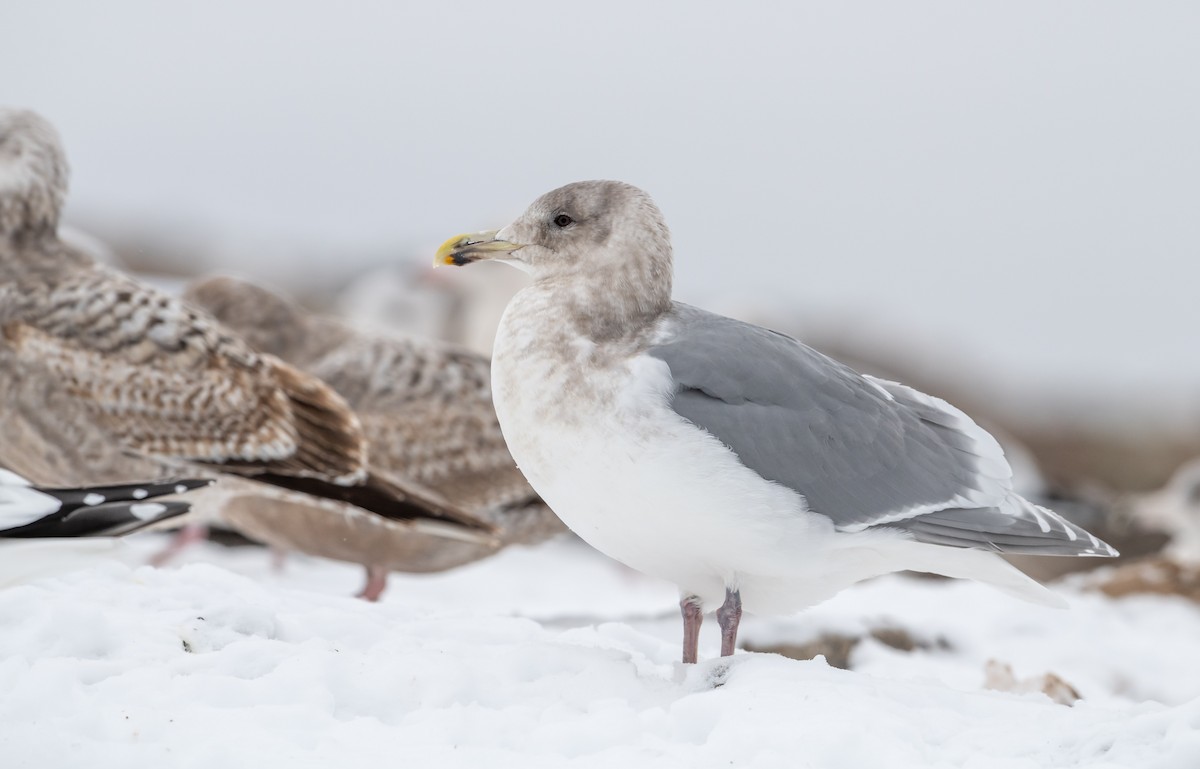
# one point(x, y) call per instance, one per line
point(1013, 184)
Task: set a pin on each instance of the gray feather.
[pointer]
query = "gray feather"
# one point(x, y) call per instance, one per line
point(860, 451)
point(1003, 532)
point(801, 419)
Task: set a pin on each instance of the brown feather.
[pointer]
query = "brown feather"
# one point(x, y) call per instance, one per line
point(425, 406)
point(143, 374)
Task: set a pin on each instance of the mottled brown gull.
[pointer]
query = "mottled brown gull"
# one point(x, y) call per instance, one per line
point(731, 460)
point(426, 409)
point(106, 379)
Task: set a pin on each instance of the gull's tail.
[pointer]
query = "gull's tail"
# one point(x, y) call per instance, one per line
point(981, 566)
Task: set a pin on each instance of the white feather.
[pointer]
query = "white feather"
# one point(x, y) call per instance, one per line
point(648, 488)
point(21, 504)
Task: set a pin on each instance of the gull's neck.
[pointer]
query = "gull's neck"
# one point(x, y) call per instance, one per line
point(609, 302)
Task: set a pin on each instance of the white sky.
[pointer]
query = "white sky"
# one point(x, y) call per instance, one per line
point(1012, 186)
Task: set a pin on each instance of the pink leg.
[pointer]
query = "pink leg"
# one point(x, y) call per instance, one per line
point(278, 559)
point(728, 617)
point(192, 533)
point(693, 615)
point(376, 582)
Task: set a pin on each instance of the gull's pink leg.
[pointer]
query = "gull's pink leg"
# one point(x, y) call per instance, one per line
point(376, 583)
point(192, 533)
point(728, 617)
point(693, 615)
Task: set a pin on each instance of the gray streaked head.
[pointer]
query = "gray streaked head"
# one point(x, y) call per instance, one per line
point(588, 224)
point(33, 174)
point(601, 235)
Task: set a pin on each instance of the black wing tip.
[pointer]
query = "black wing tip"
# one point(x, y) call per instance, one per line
point(379, 496)
point(111, 519)
point(90, 496)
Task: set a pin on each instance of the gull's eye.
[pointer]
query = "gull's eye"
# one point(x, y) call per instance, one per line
point(562, 220)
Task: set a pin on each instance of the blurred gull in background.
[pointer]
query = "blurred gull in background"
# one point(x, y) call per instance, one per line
point(426, 410)
point(1175, 508)
point(109, 380)
point(463, 308)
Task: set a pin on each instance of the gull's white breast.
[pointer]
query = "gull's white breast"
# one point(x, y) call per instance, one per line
point(592, 430)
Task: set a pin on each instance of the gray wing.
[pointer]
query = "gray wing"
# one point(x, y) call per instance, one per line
point(863, 452)
point(857, 452)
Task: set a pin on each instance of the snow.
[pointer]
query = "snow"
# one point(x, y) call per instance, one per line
point(556, 656)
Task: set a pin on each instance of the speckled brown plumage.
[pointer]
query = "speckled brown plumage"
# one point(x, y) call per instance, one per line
point(98, 368)
point(166, 381)
point(425, 406)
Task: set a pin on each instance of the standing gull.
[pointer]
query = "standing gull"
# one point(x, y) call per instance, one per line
point(106, 379)
point(426, 410)
point(734, 461)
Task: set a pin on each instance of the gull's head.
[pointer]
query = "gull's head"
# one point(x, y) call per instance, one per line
point(33, 174)
point(267, 322)
point(605, 228)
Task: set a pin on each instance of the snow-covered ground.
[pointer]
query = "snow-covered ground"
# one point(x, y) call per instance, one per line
point(555, 656)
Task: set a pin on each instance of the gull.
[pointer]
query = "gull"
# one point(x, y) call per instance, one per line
point(105, 379)
point(747, 468)
point(426, 411)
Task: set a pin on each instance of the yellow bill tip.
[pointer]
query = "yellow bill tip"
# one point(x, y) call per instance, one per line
point(445, 252)
point(464, 249)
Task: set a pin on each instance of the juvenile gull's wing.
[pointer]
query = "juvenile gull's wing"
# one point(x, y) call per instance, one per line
point(425, 406)
point(427, 412)
point(862, 452)
point(168, 382)
point(150, 376)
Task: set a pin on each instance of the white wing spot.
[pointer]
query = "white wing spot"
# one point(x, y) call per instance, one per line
point(147, 511)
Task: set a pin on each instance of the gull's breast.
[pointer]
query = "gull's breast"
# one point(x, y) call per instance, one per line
point(598, 441)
